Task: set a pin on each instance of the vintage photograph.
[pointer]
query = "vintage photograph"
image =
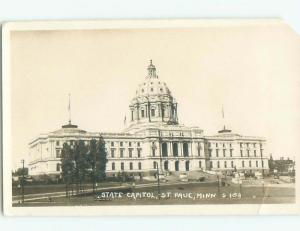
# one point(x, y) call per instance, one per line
point(136, 114)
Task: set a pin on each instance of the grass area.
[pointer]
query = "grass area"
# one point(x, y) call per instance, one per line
point(192, 193)
point(48, 188)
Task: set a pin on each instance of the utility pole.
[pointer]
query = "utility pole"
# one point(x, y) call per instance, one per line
point(23, 180)
point(262, 172)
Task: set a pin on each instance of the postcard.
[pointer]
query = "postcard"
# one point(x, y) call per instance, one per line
point(151, 117)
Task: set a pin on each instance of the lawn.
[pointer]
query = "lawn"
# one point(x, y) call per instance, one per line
point(192, 193)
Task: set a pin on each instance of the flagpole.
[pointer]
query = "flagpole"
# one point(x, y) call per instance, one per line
point(69, 108)
point(223, 116)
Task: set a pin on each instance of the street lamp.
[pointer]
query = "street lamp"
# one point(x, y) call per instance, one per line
point(158, 183)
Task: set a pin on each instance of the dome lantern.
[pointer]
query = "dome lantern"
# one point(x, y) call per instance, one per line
point(151, 71)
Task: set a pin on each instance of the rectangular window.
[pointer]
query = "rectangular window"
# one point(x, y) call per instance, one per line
point(218, 164)
point(241, 153)
point(257, 164)
point(138, 144)
point(139, 152)
point(112, 153)
point(121, 144)
point(231, 152)
point(122, 166)
point(57, 143)
point(232, 164)
point(57, 153)
point(211, 164)
point(216, 144)
point(122, 153)
point(209, 152)
point(224, 152)
point(248, 153)
point(225, 164)
point(250, 163)
point(142, 113)
point(130, 152)
point(262, 163)
point(200, 164)
point(254, 152)
point(243, 164)
point(217, 152)
point(129, 144)
point(112, 144)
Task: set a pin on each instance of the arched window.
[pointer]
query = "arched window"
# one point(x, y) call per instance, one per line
point(187, 166)
point(164, 149)
point(152, 112)
point(130, 166)
point(185, 149)
point(140, 165)
point(175, 149)
point(113, 167)
point(177, 166)
point(166, 165)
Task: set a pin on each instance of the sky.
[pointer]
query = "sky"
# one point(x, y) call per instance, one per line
point(252, 70)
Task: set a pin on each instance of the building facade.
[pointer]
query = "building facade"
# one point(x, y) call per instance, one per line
point(154, 139)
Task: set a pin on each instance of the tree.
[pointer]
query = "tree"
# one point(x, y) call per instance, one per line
point(20, 171)
point(101, 159)
point(81, 163)
point(67, 165)
point(92, 158)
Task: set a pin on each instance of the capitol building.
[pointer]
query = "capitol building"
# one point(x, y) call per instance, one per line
point(155, 139)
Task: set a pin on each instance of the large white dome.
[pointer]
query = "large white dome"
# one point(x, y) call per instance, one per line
point(153, 101)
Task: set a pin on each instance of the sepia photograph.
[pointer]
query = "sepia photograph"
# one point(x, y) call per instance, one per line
point(151, 117)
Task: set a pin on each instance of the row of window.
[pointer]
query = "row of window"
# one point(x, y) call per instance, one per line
point(122, 166)
point(121, 143)
point(254, 153)
point(224, 153)
point(112, 143)
point(232, 164)
point(230, 145)
point(122, 152)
